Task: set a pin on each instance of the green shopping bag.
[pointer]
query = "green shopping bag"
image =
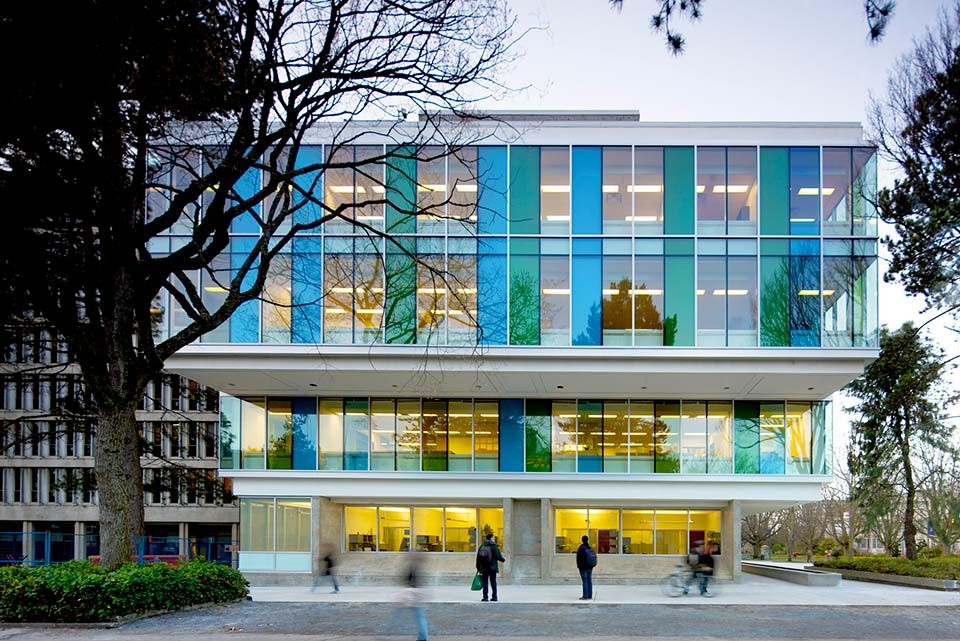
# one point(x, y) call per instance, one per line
point(477, 582)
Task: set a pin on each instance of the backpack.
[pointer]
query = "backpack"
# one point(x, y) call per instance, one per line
point(485, 555)
point(590, 556)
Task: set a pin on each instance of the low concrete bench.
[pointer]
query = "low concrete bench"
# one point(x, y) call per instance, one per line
point(801, 576)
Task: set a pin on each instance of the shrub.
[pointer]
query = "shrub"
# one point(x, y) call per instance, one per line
point(81, 592)
point(945, 567)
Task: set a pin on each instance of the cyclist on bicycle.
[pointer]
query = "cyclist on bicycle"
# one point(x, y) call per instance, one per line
point(701, 563)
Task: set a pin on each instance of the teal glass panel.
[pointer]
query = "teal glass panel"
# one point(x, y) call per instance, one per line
point(524, 291)
point(308, 187)
point(719, 437)
point(818, 439)
point(774, 191)
point(537, 430)
point(492, 291)
point(587, 195)
point(307, 277)
point(330, 438)
point(305, 428)
point(383, 435)
point(804, 191)
point(356, 434)
point(774, 293)
point(679, 190)
point(616, 437)
point(679, 293)
point(772, 438)
point(245, 188)
point(864, 191)
point(435, 427)
point(279, 434)
point(666, 438)
point(586, 293)
point(229, 432)
point(253, 433)
point(524, 190)
point(245, 321)
point(401, 187)
point(563, 423)
point(492, 190)
point(511, 436)
point(693, 438)
point(400, 311)
point(746, 437)
point(804, 293)
point(408, 434)
point(589, 436)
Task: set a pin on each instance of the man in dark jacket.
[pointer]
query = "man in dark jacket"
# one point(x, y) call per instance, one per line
point(586, 560)
point(488, 557)
point(703, 570)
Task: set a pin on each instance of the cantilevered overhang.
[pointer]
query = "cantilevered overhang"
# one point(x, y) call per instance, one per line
point(757, 493)
point(513, 372)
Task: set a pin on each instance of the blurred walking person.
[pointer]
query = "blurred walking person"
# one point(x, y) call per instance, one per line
point(413, 593)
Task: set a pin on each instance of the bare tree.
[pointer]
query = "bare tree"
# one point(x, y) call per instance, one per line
point(940, 496)
point(190, 119)
point(844, 517)
point(758, 529)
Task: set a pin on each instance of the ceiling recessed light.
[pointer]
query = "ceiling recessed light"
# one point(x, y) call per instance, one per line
point(393, 386)
point(559, 386)
point(643, 387)
point(313, 384)
point(478, 387)
point(231, 384)
point(726, 387)
point(810, 389)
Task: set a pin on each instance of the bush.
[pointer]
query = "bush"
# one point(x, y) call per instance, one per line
point(945, 567)
point(79, 591)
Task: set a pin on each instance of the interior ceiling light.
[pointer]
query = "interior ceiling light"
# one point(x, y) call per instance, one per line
point(644, 189)
point(555, 189)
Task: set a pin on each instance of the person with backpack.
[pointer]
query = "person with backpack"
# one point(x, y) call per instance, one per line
point(488, 557)
point(586, 561)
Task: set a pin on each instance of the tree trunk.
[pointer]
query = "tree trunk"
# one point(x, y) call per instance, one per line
point(119, 483)
point(909, 516)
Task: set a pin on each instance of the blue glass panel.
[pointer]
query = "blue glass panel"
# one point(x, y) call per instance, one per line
point(492, 190)
point(245, 321)
point(587, 195)
point(586, 294)
point(804, 296)
point(307, 277)
point(511, 435)
point(305, 428)
point(492, 290)
point(246, 187)
point(306, 210)
point(804, 191)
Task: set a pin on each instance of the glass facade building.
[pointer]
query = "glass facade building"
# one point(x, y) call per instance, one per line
point(589, 325)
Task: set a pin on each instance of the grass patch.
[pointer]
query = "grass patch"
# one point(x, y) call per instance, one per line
point(943, 567)
point(80, 592)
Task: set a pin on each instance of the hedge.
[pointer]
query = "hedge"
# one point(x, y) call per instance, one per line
point(79, 591)
point(944, 567)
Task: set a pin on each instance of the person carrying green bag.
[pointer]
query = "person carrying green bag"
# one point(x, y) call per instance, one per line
point(477, 582)
point(488, 557)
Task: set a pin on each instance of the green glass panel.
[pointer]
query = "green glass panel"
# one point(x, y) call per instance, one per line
point(400, 306)
point(279, 435)
point(524, 190)
point(746, 437)
point(774, 190)
point(774, 301)
point(538, 436)
point(229, 432)
point(401, 191)
point(679, 300)
point(524, 292)
point(679, 190)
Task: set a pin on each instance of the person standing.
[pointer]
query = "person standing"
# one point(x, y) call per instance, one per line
point(586, 561)
point(488, 559)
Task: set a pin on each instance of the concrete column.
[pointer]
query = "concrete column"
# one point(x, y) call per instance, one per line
point(325, 529)
point(547, 548)
point(730, 532)
point(184, 542)
point(525, 539)
point(79, 544)
point(506, 545)
point(234, 544)
point(27, 549)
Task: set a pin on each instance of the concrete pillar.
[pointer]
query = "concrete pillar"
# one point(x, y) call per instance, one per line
point(731, 542)
point(79, 544)
point(525, 539)
point(547, 530)
point(27, 544)
point(325, 529)
point(184, 540)
point(234, 544)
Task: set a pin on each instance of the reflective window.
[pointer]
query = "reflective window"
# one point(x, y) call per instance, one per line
point(460, 529)
point(276, 301)
point(648, 190)
point(648, 300)
point(804, 191)
point(279, 435)
point(293, 525)
point(837, 191)
point(338, 188)
point(711, 301)
point(616, 442)
point(563, 422)
point(370, 191)
point(617, 189)
point(537, 430)
point(431, 294)
point(671, 537)
point(253, 432)
point(431, 190)
point(408, 434)
point(719, 437)
point(798, 438)
point(462, 301)
point(460, 436)
point(360, 529)
point(330, 441)
point(555, 300)
point(589, 436)
point(257, 522)
point(638, 528)
point(394, 529)
point(693, 438)
point(554, 190)
point(772, 438)
point(434, 435)
point(338, 271)
point(742, 191)
point(435, 528)
point(617, 301)
point(462, 173)
point(356, 434)
point(711, 191)
point(383, 435)
point(642, 429)
point(864, 192)
point(486, 439)
point(666, 437)
point(428, 529)
point(742, 301)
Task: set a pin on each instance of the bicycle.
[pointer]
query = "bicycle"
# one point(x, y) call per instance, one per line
point(680, 581)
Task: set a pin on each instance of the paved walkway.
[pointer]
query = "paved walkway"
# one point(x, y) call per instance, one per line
point(752, 590)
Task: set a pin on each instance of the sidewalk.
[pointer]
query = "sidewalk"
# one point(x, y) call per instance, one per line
point(752, 590)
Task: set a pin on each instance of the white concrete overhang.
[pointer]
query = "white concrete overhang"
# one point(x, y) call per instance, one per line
point(515, 372)
point(756, 493)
